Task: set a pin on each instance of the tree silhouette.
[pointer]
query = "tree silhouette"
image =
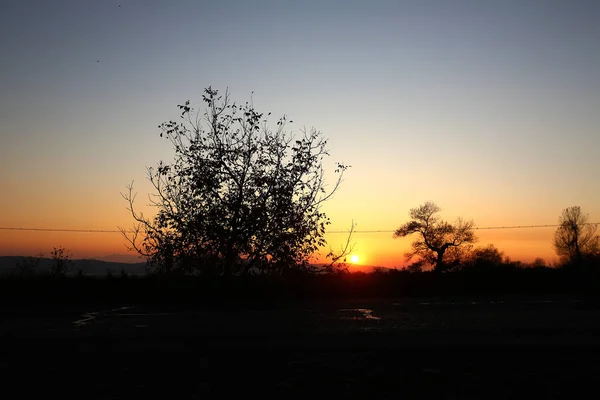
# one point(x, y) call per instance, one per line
point(485, 257)
point(575, 240)
point(238, 197)
point(61, 263)
point(435, 235)
point(28, 266)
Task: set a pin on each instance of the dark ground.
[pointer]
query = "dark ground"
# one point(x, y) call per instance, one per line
point(539, 347)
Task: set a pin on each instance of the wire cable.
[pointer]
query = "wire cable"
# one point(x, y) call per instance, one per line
point(334, 231)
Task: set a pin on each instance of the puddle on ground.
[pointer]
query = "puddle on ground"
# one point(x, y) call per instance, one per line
point(365, 314)
point(142, 314)
point(85, 319)
point(88, 318)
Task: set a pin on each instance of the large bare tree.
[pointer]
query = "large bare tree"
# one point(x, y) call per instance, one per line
point(435, 236)
point(575, 239)
point(239, 195)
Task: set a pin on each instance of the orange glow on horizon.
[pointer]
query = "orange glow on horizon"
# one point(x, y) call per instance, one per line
point(371, 249)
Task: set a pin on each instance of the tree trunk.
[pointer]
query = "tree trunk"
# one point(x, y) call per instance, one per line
point(439, 264)
point(578, 256)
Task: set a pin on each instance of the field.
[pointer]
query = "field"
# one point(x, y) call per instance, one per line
point(509, 346)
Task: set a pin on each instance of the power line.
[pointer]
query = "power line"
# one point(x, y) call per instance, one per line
point(61, 230)
point(337, 231)
point(474, 228)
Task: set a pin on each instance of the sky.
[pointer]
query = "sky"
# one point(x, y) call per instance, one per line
point(488, 108)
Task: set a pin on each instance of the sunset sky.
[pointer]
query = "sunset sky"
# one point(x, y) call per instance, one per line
point(491, 109)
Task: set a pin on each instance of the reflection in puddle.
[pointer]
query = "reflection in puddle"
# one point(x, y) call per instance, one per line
point(142, 314)
point(365, 313)
point(86, 318)
point(90, 317)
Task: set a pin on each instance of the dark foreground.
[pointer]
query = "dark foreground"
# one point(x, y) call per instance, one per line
point(417, 348)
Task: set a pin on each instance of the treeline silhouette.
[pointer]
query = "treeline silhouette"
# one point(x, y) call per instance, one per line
point(61, 292)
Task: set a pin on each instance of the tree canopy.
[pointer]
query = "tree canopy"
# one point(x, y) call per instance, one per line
point(434, 235)
point(575, 240)
point(239, 196)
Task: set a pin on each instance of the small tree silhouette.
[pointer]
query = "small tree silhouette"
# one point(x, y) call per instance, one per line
point(61, 264)
point(485, 257)
point(28, 266)
point(575, 240)
point(435, 236)
point(415, 267)
point(539, 262)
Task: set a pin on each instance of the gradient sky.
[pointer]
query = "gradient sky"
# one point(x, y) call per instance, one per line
point(491, 109)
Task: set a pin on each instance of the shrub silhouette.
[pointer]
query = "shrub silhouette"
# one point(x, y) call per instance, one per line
point(61, 263)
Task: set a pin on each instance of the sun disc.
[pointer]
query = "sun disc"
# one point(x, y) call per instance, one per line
point(354, 259)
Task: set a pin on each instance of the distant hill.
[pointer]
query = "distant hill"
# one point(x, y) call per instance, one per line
point(368, 268)
point(121, 258)
point(115, 263)
point(90, 267)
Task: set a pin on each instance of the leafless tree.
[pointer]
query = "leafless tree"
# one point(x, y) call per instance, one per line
point(435, 236)
point(575, 239)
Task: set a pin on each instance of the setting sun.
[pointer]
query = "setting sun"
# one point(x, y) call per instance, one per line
point(354, 259)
